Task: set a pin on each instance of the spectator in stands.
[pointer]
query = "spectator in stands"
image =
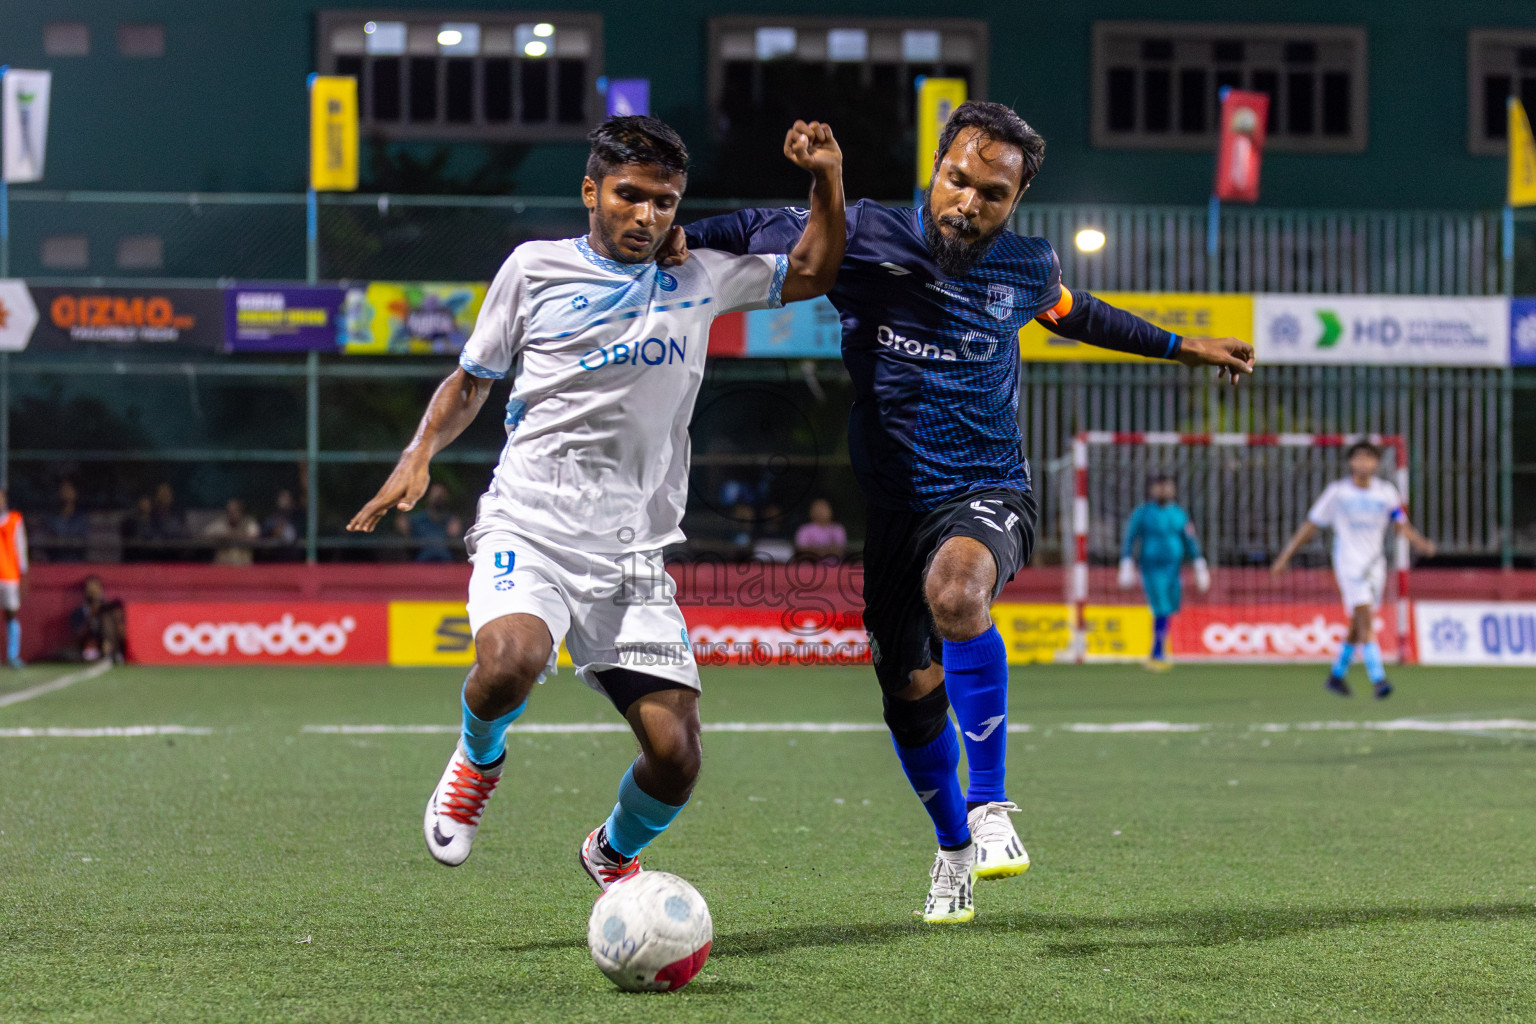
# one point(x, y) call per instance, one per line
point(138, 531)
point(821, 539)
point(433, 526)
point(167, 525)
point(97, 625)
point(400, 547)
point(230, 530)
point(282, 530)
point(13, 566)
point(66, 530)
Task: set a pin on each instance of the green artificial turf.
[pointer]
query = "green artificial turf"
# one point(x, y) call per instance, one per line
point(265, 873)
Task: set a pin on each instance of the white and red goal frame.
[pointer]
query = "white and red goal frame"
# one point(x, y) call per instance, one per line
point(1077, 574)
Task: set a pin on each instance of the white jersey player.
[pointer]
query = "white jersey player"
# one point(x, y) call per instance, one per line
point(1358, 509)
point(605, 351)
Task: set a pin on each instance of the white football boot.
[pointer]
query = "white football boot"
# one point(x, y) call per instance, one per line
point(949, 897)
point(453, 813)
point(999, 852)
point(605, 870)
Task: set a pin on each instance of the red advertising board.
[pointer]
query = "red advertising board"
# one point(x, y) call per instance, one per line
point(768, 636)
point(1277, 632)
point(289, 632)
point(1244, 118)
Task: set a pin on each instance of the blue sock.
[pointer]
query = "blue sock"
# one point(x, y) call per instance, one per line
point(934, 773)
point(976, 678)
point(1346, 655)
point(484, 741)
point(637, 818)
point(13, 640)
point(1371, 654)
point(1160, 637)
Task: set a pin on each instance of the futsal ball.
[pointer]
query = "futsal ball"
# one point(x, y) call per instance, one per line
point(650, 933)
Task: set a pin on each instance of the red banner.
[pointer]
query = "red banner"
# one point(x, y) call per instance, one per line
point(298, 632)
point(1303, 632)
point(767, 636)
point(1244, 121)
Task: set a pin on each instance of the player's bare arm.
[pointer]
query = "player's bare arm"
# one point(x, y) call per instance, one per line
point(1416, 540)
point(1233, 357)
point(454, 406)
point(814, 260)
point(1305, 532)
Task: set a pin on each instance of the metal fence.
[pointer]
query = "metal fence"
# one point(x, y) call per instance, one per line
point(250, 236)
point(1458, 423)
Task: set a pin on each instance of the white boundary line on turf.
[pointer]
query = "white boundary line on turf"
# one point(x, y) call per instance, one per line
point(68, 679)
point(1481, 725)
point(56, 732)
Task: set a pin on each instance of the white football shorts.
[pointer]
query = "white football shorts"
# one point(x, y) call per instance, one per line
point(1362, 588)
point(10, 595)
point(613, 611)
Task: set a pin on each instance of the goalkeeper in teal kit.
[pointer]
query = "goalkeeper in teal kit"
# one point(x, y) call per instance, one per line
point(1166, 540)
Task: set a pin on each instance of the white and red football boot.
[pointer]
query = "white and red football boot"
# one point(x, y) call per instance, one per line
point(606, 870)
point(453, 813)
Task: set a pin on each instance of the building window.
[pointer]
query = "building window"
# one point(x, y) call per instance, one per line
point(67, 39)
point(140, 252)
point(66, 252)
point(141, 40)
point(503, 76)
point(1156, 85)
point(1500, 63)
point(857, 74)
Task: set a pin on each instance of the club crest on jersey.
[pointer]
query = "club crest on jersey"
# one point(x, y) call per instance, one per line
point(667, 281)
point(579, 302)
point(1000, 301)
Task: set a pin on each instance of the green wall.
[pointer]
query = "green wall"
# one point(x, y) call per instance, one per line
point(224, 109)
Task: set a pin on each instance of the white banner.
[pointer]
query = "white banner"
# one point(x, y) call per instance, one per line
point(1381, 330)
point(25, 127)
point(1475, 633)
point(18, 316)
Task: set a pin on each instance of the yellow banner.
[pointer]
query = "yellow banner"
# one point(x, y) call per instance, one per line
point(1522, 157)
point(1043, 632)
point(423, 633)
point(937, 98)
point(1195, 314)
point(333, 134)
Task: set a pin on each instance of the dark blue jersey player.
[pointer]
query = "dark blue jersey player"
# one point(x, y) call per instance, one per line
point(932, 301)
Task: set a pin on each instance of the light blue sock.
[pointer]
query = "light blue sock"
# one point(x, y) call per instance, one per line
point(13, 640)
point(976, 678)
point(933, 771)
point(1346, 655)
point(1371, 654)
point(637, 818)
point(484, 741)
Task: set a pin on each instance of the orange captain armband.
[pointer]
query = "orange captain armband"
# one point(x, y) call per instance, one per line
point(1062, 308)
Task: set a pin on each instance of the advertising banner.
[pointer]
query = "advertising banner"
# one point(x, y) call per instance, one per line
point(1384, 330)
point(129, 316)
point(1191, 313)
point(937, 98)
point(281, 319)
point(1475, 633)
point(268, 632)
point(1043, 632)
point(800, 330)
point(18, 316)
point(409, 318)
point(1277, 632)
point(1522, 332)
point(1522, 156)
point(25, 122)
point(333, 135)
point(1240, 153)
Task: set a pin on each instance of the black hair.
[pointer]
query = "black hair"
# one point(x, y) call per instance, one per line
point(1363, 446)
point(634, 140)
point(997, 122)
point(1160, 478)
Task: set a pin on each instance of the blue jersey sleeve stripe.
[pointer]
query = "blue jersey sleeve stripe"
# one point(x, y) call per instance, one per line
point(474, 369)
point(776, 289)
point(1173, 345)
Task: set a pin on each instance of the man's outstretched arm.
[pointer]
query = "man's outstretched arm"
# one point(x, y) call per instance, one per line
point(453, 407)
point(1084, 317)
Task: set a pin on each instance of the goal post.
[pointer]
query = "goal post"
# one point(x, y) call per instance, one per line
point(1245, 494)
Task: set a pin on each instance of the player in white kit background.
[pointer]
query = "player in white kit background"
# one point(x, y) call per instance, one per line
point(605, 352)
point(1358, 509)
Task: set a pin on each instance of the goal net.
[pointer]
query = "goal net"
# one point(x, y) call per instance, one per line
point(1245, 495)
